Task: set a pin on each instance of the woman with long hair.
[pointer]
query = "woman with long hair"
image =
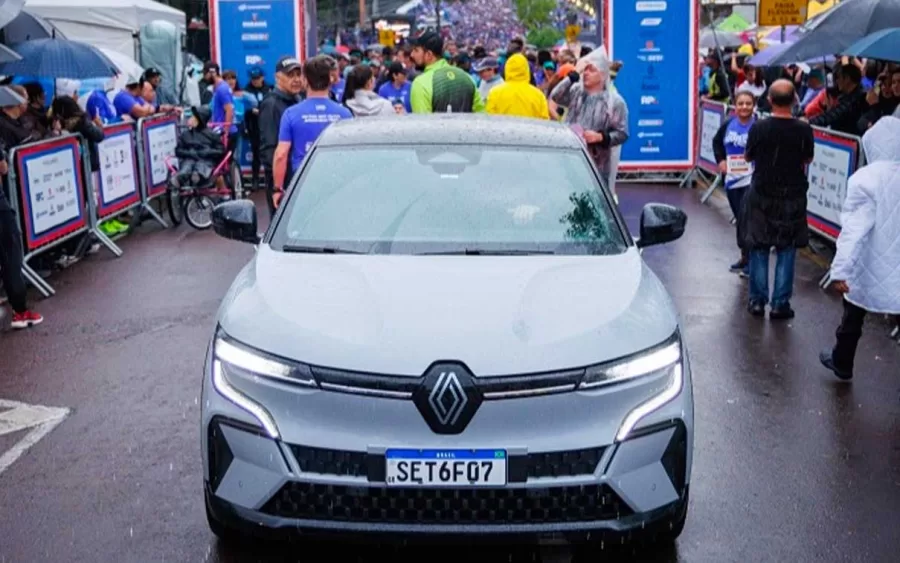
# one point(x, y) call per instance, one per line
point(729, 146)
point(360, 97)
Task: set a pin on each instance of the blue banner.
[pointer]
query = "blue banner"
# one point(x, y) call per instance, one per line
point(657, 42)
point(252, 33)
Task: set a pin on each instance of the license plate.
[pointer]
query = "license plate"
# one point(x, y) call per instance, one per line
point(446, 468)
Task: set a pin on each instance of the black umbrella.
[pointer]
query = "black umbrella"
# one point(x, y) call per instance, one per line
point(840, 27)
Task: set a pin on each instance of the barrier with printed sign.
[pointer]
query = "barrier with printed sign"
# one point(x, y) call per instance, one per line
point(837, 157)
point(119, 182)
point(159, 136)
point(712, 116)
point(50, 178)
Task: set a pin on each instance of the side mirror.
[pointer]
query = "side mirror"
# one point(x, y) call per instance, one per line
point(236, 220)
point(661, 223)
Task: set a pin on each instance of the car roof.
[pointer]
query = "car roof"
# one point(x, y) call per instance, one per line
point(450, 129)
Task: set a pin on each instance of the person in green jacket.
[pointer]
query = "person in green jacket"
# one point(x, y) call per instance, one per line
point(441, 87)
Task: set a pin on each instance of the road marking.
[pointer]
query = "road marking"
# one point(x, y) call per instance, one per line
point(42, 420)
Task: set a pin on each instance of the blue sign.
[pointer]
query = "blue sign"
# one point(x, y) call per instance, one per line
point(248, 33)
point(657, 42)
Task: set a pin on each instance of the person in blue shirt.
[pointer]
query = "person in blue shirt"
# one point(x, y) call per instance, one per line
point(99, 109)
point(129, 103)
point(729, 146)
point(302, 123)
point(397, 89)
point(222, 106)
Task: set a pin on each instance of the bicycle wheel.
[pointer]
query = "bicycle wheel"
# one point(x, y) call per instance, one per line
point(176, 206)
point(198, 212)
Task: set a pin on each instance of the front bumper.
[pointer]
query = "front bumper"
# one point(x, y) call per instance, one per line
point(259, 485)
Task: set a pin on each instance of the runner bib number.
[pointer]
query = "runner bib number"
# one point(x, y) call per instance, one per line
point(738, 165)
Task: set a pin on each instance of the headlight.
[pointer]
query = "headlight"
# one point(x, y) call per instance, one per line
point(232, 358)
point(665, 359)
point(645, 363)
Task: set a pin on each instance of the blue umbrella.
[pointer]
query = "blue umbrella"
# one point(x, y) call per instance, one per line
point(769, 54)
point(883, 45)
point(59, 58)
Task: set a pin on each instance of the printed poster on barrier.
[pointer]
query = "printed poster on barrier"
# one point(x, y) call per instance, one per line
point(249, 33)
point(118, 176)
point(834, 162)
point(657, 42)
point(711, 118)
point(52, 190)
point(161, 139)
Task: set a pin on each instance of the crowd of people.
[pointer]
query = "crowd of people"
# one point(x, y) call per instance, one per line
point(27, 117)
point(763, 162)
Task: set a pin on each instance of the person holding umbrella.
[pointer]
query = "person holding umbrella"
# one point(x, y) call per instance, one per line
point(11, 257)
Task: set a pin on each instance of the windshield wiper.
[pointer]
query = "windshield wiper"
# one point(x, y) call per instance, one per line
point(477, 252)
point(318, 249)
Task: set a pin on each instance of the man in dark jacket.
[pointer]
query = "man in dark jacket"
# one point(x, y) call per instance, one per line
point(258, 89)
point(851, 106)
point(288, 84)
point(774, 210)
point(199, 148)
point(10, 238)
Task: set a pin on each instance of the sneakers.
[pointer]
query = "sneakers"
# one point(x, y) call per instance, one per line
point(26, 319)
point(827, 359)
point(739, 266)
point(113, 227)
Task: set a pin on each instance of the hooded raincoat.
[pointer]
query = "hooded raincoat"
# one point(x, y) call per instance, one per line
point(516, 96)
point(868, 248)
point(604, 112)
point(366, 103)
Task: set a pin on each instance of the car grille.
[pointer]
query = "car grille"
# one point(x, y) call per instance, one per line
point(310, 501)
point(521, 468)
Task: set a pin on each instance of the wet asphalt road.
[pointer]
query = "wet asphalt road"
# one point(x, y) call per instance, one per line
point(790, 465)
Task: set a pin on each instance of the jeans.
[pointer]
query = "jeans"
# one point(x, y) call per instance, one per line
point(848, 335)
point(784, 277)
point(735, 201)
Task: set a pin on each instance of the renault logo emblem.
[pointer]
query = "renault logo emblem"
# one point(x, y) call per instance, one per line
point(447, 398)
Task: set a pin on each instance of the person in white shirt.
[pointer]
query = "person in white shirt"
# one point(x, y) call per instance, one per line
point(866, 266)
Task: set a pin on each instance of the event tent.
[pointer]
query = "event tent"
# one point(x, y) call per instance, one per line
point(105, 23)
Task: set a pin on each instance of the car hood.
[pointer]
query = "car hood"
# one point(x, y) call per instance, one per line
point(500, 315)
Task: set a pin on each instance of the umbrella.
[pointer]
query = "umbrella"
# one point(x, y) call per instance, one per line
point(710, 39)
point(59, 58)
point(26, 27)
point(9, 97)
point(7, 55)
point(767, 55)
point(735, 22)
point(883, 45)
point(838, 28)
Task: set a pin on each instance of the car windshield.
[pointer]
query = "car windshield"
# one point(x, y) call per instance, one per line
point(448, 199)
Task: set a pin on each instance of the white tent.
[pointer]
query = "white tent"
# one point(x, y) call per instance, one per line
point(105, 23)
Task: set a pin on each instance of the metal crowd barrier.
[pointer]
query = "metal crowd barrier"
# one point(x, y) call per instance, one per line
point(157, 136)
point(837, 157)
point(56, 197)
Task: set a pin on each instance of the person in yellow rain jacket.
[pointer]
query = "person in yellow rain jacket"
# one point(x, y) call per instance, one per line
point(516, 96)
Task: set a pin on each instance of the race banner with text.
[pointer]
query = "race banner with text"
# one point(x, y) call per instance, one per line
point(836, 159)
point(657, 42)
point(248, 33)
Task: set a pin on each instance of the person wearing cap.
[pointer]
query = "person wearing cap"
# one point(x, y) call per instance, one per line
point(440, 88)
point(12, 105)
point(257, 89)
point(129, 102)
point(397, 89)
point(516, 96)
point(302, 123)
point(164, 97)
point(488, 79)
point(288, 85)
